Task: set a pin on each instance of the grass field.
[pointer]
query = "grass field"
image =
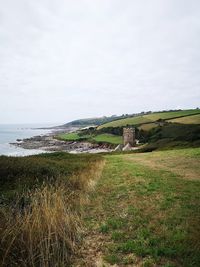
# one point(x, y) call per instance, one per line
point(100, 138)
point(145, 211)
point(147, 127)
point(195, 119)
point(108, 138)
point(149, 118)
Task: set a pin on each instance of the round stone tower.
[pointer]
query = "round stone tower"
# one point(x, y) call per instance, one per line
point(129, 136)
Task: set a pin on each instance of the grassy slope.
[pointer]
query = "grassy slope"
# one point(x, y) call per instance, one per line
point(20, 173)
point(149, 118)
point(146, 210)
point(173, 136)
point(42, 226)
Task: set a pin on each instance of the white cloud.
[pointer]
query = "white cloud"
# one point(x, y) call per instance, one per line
point(65, 59)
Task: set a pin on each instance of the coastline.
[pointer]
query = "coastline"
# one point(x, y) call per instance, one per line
point(48, 143)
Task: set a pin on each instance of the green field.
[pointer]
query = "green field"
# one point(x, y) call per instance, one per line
point(108, 138)
point(195, 119)
point(145, 211)
point(100, 138)
point(149, 118)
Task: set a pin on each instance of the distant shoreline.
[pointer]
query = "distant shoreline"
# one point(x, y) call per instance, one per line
point(48, 143)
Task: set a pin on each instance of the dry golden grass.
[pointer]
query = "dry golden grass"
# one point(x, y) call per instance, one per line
point(45, 232)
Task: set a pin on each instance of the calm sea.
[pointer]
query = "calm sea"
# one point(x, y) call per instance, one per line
point(9, 133)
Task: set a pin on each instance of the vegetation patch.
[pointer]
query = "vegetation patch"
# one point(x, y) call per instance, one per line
point(171, 135)
point(195, 119)
point(96, 138)
point(41, 206)
point(19, 174)
point(149, 118)
point(108, 138)
point(147, 214)
point(73, 137)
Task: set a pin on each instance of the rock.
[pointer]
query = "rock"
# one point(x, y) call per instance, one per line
point(127, 147)
point(119, 147)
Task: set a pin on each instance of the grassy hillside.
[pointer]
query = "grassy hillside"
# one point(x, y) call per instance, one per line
point(149, 118)
point(171, 135)
point(19, 174)
point(93, 121)
point(160, 130)
point(145, 211)
point(195, 119)
point(131, 119)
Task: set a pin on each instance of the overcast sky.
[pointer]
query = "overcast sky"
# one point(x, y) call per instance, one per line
point(66, 59)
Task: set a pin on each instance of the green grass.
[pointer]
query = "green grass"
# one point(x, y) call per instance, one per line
point(172, 135)
point(72, 136)
point(195, 119)
point(146, 209)
point(23, 173)
point(100, 138)
point(108, 138)
point(149, 118)
point(127, 121)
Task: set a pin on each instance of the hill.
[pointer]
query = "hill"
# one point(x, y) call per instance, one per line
point(93, 121)
point(150, 118)
point(158, 130)
point(194, 119)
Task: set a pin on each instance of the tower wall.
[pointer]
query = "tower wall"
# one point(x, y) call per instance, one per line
point(129, 136)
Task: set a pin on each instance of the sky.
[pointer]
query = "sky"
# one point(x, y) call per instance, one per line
point(68, 59)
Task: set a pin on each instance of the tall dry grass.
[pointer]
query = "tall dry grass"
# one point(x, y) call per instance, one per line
point(46, 231)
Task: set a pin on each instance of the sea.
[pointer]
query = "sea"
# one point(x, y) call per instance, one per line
point(11, 132)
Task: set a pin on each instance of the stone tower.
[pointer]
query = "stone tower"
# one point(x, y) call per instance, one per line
point(129, 136)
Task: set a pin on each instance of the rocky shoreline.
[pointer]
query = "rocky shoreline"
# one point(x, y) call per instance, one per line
point(49, 143)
